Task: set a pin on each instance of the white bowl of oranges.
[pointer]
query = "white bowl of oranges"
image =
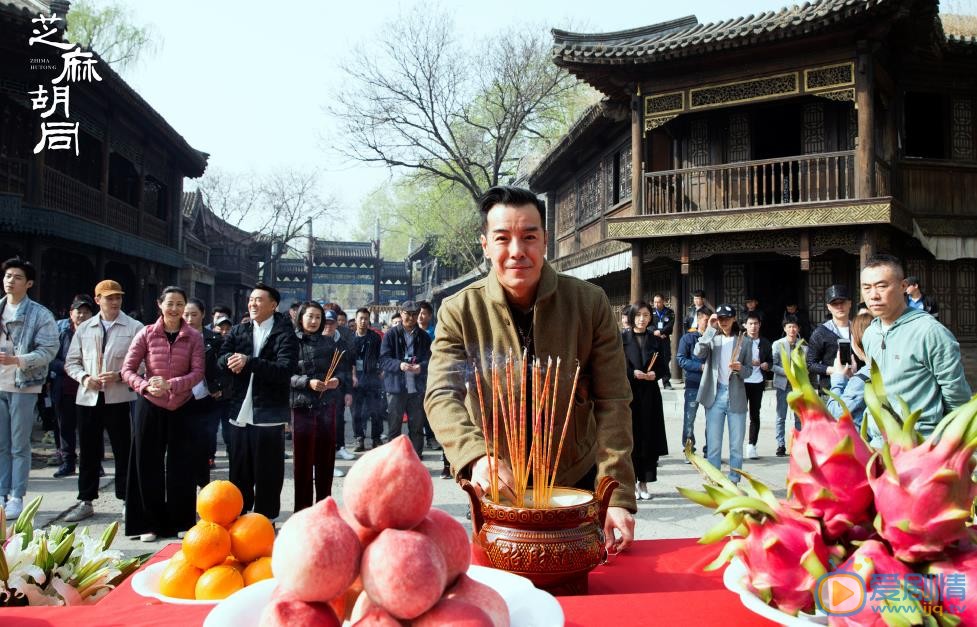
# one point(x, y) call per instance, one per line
point(223, 553)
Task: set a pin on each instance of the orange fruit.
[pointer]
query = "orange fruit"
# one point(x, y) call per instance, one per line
point(178, 557)
point(230, 561)
point(218, 582)
point(252, 536)
point(179, 580)
point(206, 544)
point(258, 570)
point(220, 502)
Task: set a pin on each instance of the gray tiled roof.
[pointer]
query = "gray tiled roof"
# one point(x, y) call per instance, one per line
point(189, 203)
point(685, 36)
point(327, 248)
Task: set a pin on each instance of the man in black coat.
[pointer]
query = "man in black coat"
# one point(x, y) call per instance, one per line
point(404, 356)
point(762, 360)
point(662, 325)
point(826, 337)
point(367, 384)
point(261, 356)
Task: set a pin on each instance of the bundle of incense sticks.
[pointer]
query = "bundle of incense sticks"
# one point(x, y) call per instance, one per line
point(332, 367)
point(651, 364)
point(518, 415)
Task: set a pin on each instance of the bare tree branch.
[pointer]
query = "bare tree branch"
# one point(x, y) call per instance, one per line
point(422, 102)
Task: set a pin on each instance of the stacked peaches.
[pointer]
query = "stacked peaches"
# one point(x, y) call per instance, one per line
point(222, 553)
point(385, 558)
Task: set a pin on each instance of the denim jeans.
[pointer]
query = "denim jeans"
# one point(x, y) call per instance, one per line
point(17, 412)
point(716, 417)
point(688, 423)
point(782, 417)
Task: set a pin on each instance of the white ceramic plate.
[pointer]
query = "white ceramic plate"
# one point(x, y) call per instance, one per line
point(734, 578)
point(528, 606)
point(146, 583)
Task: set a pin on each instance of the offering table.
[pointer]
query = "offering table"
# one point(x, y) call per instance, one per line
point(656, 582)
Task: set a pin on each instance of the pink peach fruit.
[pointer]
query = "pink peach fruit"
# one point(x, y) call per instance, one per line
point(478, 594)
point(455, 613)
point(365, 534)
point(403, 572)
point(377, 617)
point(389, 487)
point(316, 555)
point(451, 537)
point(286, 611)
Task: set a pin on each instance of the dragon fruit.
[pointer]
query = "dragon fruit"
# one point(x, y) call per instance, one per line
point(923, 493)
point(958, 595)
point(871, 560)
point(783, 551)
point(826, 477)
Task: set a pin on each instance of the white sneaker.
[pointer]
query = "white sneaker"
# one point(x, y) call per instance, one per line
point(13, 507)
point(148, 537)
point(338, 472)
point(342, 453)
point(751, 451)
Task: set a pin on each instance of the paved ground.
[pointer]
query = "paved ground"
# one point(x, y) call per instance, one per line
point(667, 515)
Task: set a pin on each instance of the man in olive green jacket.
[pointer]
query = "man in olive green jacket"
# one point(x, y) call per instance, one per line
point(524, 303)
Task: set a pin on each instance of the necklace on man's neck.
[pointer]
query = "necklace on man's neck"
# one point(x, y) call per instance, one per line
point(525, 337)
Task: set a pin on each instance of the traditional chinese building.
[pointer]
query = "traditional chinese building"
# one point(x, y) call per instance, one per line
point(769, 155)
point(220, 260)
point(334, 263)
point(112, 211)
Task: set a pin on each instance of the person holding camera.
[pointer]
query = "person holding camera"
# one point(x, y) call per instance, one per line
point(404, 355)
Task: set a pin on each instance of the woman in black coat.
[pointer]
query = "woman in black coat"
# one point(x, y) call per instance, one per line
point(315, 401)
point(646, 364)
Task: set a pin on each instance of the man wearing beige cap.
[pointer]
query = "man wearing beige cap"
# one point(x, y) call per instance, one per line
point(94, 360)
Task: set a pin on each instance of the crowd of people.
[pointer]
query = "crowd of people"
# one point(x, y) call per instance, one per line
point(164, 390)
point(727, 363)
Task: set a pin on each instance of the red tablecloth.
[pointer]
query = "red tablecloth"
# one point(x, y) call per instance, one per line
point(657, 582)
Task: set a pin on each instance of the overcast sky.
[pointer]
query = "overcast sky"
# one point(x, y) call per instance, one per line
point(246, 81)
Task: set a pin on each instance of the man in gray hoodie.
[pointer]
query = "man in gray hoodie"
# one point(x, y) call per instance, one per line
point(918, 357)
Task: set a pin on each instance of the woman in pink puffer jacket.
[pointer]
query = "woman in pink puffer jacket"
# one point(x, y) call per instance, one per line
point(162, 503)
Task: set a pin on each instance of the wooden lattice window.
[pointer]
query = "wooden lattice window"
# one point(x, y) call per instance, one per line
point(590, 197)
point(624, 159)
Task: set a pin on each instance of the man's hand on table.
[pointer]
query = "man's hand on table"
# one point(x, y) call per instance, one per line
point(621, 520)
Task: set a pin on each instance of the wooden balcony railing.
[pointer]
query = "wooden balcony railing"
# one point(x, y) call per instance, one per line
point(937, 187)
point(13, 176)
point(155, 229)
point(751, 184)
point(71, 196)
point(123, 216)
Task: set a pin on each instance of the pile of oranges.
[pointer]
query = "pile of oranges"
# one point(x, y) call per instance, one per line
point(222, 553)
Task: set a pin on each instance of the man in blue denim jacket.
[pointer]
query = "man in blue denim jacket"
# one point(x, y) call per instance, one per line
point(692, 366)
point(28, 343)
